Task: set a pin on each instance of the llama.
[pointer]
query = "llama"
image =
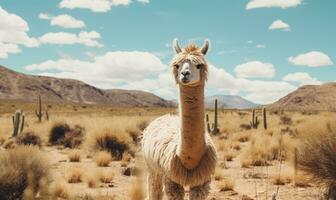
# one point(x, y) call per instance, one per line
point(177, 149)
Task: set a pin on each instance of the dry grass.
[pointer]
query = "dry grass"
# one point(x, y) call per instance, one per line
point(29, 138)
point(60, 190)
point(62, 134)
point(75, 175)
point(226, 184)
point(75, 155)
point(103, 159)
point(105, 176)
point(229, 155)
point(92, 181)
point(316, 154)
point(20, 168)
point(112, 140)
point(137, 191)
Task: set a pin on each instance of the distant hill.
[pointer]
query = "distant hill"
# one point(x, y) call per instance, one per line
point(309, 98)
point(18, 86)
point(229, 101)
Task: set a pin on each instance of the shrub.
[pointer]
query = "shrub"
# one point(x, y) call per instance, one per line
point(106, 176)
point(75, 176)
point(29, 138)
point(75, 156)
point(285, 120)
point(62, 134)
point(60, 190)
point(226, 185)
point(21, 168)
point(103, 159)
point(316, 156)
point(142, 125)
point(113, 141)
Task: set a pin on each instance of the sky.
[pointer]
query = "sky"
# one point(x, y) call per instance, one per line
point(260, 49)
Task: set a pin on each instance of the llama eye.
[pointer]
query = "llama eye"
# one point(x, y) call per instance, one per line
point(199, 66)
point(176, 66)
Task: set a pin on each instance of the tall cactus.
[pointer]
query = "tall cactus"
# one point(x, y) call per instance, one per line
point(265, 118)
point(18, 123)
point(215, 129)
point(254, 122)
point(39, 112)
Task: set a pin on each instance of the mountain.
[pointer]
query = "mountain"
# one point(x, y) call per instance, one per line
point(309, 98)
point(229, 101)
point(18, 86)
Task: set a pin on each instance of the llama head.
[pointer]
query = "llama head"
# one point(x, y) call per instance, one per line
point(189, 65)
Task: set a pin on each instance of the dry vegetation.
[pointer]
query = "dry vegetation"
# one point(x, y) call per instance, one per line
point(95, 154)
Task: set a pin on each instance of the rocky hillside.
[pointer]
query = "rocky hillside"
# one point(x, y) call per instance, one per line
point(18, 86)
point(309, 98)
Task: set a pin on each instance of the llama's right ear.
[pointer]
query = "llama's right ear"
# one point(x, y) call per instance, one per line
point(176, 46)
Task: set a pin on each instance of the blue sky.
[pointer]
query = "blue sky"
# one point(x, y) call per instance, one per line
point(260, 49)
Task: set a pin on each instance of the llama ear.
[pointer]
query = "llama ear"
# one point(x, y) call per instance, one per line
point(176, 46)
point(205, 47)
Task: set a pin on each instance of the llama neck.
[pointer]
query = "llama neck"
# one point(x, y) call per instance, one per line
point(192, 142)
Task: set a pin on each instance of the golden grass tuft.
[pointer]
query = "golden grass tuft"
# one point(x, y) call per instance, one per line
point(105, 176)
point(21, 168)
point(114, 141)
point(226, 184)
point(103, 159)
point(92, 181)
point(75, 155)
point(75, 175)
point(60, 190)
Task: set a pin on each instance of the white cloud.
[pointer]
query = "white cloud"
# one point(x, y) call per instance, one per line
point(249, 42)
point(311, 59)
point(302, 78)
point(65, 21)
point(113, 69)
point(279, 24)
point(6, 49)
point(62, 38)
point(93, 5)
point(252, 4)
point(143, 1)
point(13, 32)
point(260, 46)
point(255, 69)
point(258, 91)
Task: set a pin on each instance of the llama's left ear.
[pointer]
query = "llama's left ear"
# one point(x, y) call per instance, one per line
point(177, 46)
point(205, 47)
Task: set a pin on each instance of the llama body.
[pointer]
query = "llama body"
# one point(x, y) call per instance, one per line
point(177, 149)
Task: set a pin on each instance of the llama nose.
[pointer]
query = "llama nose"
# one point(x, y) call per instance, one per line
point(185, 73)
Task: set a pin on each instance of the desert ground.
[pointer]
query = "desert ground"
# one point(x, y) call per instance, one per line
point(93, 152)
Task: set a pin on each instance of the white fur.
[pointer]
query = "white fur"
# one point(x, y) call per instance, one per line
point(159, 144)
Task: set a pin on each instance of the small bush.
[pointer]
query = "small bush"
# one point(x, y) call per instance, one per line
point(113, 141)
point(285, 120)
point(60, 190)
point(75, 156)
point(29, 138)
point(21, 168)
point(57, 133)
point(226, 185)
point(316, 156)
point(245, 127)
point(75, 176)
point(106, 176)
point(92, 181)
point(62, 134)
point(103, 159)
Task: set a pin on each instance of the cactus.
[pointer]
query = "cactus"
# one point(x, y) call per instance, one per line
point(265, 118)
point(18, 123)
point(47, 114)
point(215, 129)
point(39, 112)
point(255, 122)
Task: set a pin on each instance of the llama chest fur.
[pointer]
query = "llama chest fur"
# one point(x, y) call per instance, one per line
point(160, 142)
